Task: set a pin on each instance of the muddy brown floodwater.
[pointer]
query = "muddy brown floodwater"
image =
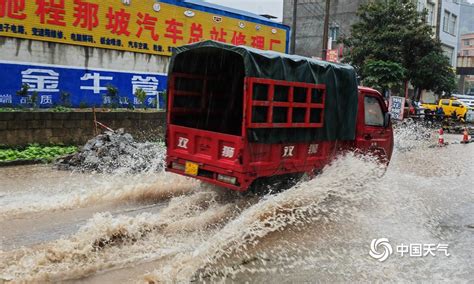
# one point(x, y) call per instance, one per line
point(158, 227)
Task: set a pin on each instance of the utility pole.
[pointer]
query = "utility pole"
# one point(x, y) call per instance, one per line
point(293, 28)
point(326, 30)
point(438, 19)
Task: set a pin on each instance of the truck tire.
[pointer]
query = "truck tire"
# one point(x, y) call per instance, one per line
point(274, 184)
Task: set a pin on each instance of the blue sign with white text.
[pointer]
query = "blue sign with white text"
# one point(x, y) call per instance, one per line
point(51, 85)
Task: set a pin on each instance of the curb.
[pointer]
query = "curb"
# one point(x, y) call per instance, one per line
point(22, 163)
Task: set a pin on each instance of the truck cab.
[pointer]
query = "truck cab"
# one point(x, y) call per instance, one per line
point(374, 127)
point(239, 116)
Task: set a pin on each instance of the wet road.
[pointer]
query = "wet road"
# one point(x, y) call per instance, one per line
point(82, 228)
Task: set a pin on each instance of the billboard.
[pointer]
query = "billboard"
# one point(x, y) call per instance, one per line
point(145, 26)
point(52, 85)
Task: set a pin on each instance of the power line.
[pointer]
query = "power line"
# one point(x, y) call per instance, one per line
point(317, 11)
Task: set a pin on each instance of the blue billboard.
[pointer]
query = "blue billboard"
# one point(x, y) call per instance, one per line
point(53, 85)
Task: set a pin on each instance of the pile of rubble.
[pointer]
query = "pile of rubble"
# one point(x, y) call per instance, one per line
point(115, 152)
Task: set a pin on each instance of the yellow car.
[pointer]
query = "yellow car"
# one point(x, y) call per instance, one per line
point(451, 107)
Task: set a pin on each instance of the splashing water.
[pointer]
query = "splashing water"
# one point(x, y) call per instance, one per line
point(410, 135)
point(299, 205)
point(99, 189)
point(319, 229)
point(210, 224)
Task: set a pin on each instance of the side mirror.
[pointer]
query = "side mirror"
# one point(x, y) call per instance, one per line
point(387, 119)
point(461, 106)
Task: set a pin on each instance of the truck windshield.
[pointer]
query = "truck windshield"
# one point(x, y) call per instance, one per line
point(206, 91)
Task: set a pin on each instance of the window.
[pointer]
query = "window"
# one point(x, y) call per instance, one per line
point(445, 102)
point(465, 53)
point(446, 21)
point(452, 24)
point(430, 16)
point(456, 104)
point(466, 42)
point(373, 112)
point(449, 22)
point(420, 6)
point(334, 33)
point(448, 52)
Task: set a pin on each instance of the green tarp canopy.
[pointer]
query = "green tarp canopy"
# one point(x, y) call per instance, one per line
point(340, 80)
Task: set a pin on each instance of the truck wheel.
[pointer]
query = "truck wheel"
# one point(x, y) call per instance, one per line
point(275, 184)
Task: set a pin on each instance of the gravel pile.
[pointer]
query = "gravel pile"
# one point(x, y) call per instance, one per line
point(116, 152)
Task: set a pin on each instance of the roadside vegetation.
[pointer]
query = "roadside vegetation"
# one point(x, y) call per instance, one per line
point(392, 45)
point(36, 152)
point(112, 102)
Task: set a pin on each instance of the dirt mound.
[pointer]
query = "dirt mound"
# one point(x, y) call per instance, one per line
point(115, 152)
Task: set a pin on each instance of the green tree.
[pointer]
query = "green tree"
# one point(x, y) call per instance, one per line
point(394, 32)
point(435, 73)
point(383, 75)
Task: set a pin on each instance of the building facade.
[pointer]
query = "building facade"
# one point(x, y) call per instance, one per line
point(466, 54)
point(442, 15)
point(449, 28)
point(467, 45)
point(310, 22)
point(431, 7)
point(99, 52)
point(466, 21)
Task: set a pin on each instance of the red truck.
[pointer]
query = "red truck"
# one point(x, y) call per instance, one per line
point(239, 116)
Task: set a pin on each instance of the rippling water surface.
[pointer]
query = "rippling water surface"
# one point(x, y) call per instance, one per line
point(159, 227)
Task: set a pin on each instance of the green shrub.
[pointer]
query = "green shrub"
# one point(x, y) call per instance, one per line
point(140, 94)
point(83, 105)
point(36, 152)
point(23, 92)
point(65, 98)
point(61, 109)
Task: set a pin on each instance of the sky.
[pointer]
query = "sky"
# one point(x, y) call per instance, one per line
point(272, 7)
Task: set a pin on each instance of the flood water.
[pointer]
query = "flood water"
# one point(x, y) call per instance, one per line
point(163, 228)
